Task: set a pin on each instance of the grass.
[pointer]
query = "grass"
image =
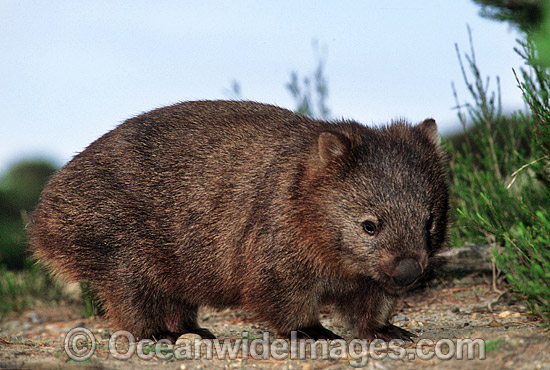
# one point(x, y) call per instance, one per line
point(494, 345)
point(25, 289)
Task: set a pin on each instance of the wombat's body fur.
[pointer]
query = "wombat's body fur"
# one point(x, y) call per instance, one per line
point(239, 204)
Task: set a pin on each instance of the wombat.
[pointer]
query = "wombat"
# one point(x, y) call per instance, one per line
point(241, 204)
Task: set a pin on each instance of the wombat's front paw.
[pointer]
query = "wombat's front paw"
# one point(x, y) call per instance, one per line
point(317, 332)
point(389, 332)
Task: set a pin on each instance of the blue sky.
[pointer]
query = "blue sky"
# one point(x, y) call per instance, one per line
point(72, 70)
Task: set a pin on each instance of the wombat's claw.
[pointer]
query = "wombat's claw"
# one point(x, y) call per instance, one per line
point(389, 332)
point(204, 333)
point(316, 332)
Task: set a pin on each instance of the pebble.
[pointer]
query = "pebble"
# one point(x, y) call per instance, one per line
point(400, 318)
point(186, 338)
point(506, 314)
point(495, 324)
point(35, 318)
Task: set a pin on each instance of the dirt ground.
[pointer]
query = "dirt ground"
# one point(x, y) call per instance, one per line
point(444, 317)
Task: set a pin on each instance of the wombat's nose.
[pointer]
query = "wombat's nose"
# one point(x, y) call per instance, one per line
point(406, 272)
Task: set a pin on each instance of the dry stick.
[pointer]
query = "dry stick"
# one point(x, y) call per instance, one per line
point(494, 270)
point(495, 289)
point(490, 304)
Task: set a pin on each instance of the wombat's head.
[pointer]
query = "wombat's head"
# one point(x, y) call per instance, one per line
point(385, 199)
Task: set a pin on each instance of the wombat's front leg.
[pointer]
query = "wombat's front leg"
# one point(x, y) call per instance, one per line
point(368, 312)
point(371, 327)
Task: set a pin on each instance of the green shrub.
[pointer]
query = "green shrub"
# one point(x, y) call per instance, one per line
point(484, 158)
point(501, 180)
point(20, 189)
point(20, 290)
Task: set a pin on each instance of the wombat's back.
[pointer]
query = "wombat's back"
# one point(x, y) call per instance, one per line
point(171, 190)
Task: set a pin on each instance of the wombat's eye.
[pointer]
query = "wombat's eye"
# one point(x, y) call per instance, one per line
point(369, 227)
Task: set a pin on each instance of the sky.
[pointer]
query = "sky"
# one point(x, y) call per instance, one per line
point(72, 70)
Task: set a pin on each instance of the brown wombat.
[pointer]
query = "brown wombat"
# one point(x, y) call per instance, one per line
point(240, 204)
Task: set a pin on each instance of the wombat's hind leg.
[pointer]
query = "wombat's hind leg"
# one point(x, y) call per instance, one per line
point(181, 318)
point(389, 332)
point(317, 332)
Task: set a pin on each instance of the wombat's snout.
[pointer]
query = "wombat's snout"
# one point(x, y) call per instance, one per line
point(406, 272)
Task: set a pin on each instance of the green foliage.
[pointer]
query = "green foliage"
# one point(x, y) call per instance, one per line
point(501, 179)
point(541, 36)
point(92, 305)
point(311, 92)
point(483, 159)
point(24, 289)
point(536, 93)
point(525, 14)
point(494, 345)
point(20, 189)
point(530, 16)
point(526, 261)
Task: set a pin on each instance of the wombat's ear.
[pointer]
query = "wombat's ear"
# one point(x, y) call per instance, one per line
point(429, 128)
point(332, 146)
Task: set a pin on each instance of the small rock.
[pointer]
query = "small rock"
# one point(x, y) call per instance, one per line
point(505, 314)
point(455, 310)
point(35, 318)
point(187, 337)
point(495, 324)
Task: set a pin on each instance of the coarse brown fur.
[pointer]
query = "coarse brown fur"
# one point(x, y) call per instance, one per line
point(240, 204)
